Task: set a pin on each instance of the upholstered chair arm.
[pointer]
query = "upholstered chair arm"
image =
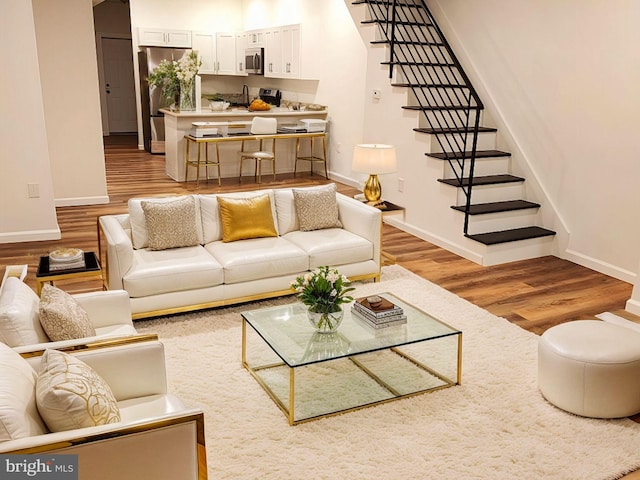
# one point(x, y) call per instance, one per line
point(166, 447)
point(361, 219)
point(105, 308)
point(116, 249)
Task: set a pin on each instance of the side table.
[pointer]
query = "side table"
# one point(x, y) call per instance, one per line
point(45, 275)
point(387, 208)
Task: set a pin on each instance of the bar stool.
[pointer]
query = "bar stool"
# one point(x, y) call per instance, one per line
point(260, 126)
point(199, 162)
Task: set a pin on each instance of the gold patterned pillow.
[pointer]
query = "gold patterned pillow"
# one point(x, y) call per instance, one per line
point(171, 224)
point(317, 207)
point(70, 394)
point(244, 218)
point(62, 317)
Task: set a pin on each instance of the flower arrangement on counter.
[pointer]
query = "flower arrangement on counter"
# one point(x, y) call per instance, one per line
point(176, 78)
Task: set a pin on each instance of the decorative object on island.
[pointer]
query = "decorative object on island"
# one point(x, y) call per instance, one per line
point(374, 159)
point(177, 79)
point(378, 312)
point(324, 291)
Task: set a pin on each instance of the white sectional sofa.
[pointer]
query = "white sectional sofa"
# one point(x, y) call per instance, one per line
point(219, 269)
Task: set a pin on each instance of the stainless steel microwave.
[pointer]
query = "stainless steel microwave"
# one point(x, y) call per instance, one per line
point(254, 61)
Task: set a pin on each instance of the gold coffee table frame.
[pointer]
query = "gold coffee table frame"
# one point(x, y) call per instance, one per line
point(288, 407)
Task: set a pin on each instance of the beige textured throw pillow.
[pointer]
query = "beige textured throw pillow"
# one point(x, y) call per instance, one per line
point(171, 224)
point(317, 207)
point(70, 394)
point(62, 317)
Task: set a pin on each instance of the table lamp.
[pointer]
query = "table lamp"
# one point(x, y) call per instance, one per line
point(374, 159)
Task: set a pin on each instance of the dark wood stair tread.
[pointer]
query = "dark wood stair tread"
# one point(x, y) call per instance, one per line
point(429, 85)
point(407, 42)
point(446, 131)
point(422, 64)
point(461, 155)
point(441, 108)
point(496, 207)
point(385, 2)
point(398, 22)
point(513, 235)
point(482, 180)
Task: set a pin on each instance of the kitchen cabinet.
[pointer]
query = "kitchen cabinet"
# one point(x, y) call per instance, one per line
point(205, 44)
point(226, 53)
point(241, 45)
point(159, 37)
point(290, 51)
point(282, 52)
point(256, 38)
point(218, 54)
point(273, 53)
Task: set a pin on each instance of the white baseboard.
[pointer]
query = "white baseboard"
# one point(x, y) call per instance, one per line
point(76, 201)
point(30, 236)
point(633, 306)
point(600, 266)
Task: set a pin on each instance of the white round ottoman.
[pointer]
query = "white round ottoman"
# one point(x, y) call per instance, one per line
point(591, 368)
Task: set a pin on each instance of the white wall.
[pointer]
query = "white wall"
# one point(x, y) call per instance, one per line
point(24, 157)
point(564, 76)
point(69, 80)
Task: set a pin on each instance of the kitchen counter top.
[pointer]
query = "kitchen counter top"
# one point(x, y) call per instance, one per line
point(243, 112)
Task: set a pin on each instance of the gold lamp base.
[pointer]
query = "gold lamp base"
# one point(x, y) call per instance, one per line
point(372, 189)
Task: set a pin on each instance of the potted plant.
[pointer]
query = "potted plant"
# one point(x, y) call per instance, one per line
point(324, 291)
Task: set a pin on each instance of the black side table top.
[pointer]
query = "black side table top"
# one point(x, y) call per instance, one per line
point(91, 264)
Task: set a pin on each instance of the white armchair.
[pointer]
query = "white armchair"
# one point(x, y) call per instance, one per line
point(158, 436)
point(109, 312)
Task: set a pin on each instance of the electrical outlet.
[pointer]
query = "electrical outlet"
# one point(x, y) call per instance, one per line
point(401, 184)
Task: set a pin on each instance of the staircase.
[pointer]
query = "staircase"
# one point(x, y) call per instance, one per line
point(421, 60)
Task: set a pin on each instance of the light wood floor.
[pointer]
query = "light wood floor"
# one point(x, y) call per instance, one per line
point(535, 294)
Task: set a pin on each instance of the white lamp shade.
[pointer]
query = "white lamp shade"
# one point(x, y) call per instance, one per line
point(374, 158)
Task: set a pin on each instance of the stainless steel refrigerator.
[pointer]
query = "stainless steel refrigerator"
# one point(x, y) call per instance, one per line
point(151, 99)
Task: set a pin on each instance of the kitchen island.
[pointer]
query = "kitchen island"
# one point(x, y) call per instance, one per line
point(179, 124)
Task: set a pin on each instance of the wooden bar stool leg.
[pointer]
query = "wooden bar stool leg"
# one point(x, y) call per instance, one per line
point(206, 160)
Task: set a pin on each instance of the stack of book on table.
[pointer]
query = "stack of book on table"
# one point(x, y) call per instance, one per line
point(66, 259)
point(378, 312)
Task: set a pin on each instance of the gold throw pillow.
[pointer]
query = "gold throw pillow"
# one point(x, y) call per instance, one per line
point(244, 218)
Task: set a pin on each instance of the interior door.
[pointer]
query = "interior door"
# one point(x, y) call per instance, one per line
point(119, 84)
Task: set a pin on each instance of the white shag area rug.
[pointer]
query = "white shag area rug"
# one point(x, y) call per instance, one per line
point(495, 425)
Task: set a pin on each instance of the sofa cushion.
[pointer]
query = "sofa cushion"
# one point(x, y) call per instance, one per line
point(186, 268)
point(317, 207)
point(332, 246)
point(19, 314)
point(286, 208)
point(19, 415)
point(139, 232)
point(62, 317)
point(258, 258)
point(244, 218)
point(210, 212)
point(70, 394)
point(171, 224)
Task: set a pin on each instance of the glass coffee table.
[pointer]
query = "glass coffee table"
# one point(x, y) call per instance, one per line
point(312, 375)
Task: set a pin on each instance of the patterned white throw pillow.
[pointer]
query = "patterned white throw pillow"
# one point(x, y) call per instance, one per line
point(62, 317)
point(317, 207)
point(70, 394)
point(171, 224)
